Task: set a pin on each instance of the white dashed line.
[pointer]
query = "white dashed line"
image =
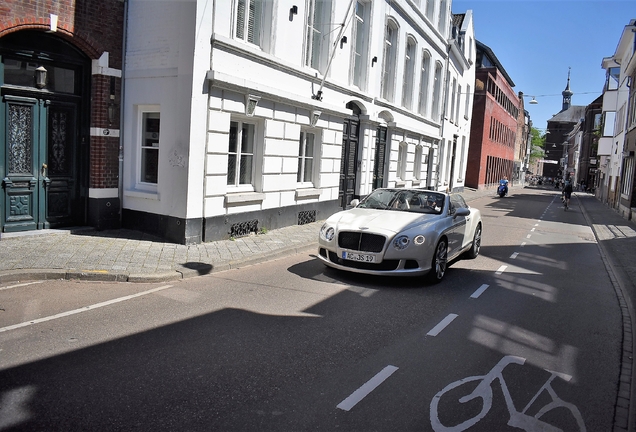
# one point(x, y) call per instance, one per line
point(501, 270)
point(529, 235)
point(514, 255)
point(532, 230)
point(480, 291)
point(442, 325)
point(84, 309)
point(366, 388)
point(523, 244)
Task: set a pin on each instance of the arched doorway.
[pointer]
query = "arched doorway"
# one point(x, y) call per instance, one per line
point(44, 110)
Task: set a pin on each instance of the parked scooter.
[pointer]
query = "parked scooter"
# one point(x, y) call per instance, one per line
point(502, 190)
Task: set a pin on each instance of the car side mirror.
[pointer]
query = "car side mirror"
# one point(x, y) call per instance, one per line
point(462, 211)
point(355, 202)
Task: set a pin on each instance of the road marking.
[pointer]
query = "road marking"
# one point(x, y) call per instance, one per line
point(442, 325)
point(479, 291)
point(19, 285)
point(528, 236)
point(537, 224)
point(523, 244)
point(84, 309)
point(501, 269)
point(532, 230)
point(514, 255)
point(366, 388)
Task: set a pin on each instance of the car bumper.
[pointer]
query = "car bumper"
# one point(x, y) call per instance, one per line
point(387, 267)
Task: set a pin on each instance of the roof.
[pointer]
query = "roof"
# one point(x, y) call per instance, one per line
point(493, 58)
point(571, 115)
point(458, 20)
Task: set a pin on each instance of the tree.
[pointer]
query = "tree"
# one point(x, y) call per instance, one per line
point(537, 143)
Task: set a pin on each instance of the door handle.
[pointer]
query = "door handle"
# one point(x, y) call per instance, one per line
point(44, 167)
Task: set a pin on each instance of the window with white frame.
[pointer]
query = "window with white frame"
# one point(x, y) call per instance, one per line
point(417, 164)
point(359, 47)
point(240, 158)
point(424, 77)
point(628, 175)
point(149, 145)
point(442, 24)
point(467, 102)
point(430, 9)
point(401, 166)
point(459, 102)
point(437, 91)
point(317, 34)
point(462, 159)
point(388, 68)
point(453, 99)
point(306, 157)
point(631, 122)
point(612, 78)
point(409, 65)
point(249, 20)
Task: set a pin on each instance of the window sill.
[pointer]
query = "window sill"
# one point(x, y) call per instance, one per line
point(244, 198)
point(400, 183)
point(307, 193)
point(142, 194)
point(416, 182)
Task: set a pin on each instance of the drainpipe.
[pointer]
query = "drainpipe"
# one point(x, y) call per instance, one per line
point(443, 115)
point(120, 175)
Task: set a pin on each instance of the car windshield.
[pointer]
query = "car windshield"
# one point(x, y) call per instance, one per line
point(417, 201)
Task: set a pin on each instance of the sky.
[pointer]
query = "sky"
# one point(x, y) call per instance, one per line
point(537, 41)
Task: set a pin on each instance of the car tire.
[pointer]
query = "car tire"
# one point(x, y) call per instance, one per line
point(439, 264)
point(473, 252)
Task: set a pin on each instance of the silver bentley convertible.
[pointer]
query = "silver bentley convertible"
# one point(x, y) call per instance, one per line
point(404, 232)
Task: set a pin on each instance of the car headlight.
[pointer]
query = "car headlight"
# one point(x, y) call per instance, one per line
point(401, 242)
point(327, 232)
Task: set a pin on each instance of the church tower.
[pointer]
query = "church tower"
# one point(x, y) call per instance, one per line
point(567, 95)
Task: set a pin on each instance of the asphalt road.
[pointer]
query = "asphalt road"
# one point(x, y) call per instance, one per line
point(289, 345)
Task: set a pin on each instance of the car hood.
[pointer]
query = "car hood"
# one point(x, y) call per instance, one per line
point(380, 221)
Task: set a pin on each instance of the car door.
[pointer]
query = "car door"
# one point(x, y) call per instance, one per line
point(459, 225)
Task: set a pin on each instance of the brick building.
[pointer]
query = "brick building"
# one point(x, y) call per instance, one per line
point(60, 78)
point(496, 109)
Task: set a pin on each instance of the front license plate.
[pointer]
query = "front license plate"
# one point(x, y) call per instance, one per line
point(358, 257)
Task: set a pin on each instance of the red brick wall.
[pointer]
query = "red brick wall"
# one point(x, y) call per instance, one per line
point(486, 108)
point(94, 27)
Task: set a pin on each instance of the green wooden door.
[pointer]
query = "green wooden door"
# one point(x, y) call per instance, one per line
point(38, 163)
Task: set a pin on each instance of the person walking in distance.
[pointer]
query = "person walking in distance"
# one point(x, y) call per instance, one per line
point(567, 193)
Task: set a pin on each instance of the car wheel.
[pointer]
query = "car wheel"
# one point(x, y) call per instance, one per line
point(440, 262)
point(474, 249)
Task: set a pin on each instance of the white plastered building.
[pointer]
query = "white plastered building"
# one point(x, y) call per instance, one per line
point(244, 115)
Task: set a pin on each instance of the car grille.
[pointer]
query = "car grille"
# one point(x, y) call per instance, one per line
point(360, 241)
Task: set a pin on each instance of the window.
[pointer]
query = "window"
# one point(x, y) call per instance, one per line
point(453, 99)
point(467, 102)
point(608, 123)
point(462, 159)
point(425, 72)
point(306, 146)
point(359, 45)
point(401, 166)
point(442, 24)
point(613, 75)
point(628, 175)
point(388, 68)
point(459, 102)
point(430, 9)
point(150, 130)
point(240, 161)
point(317, 37)
point(409, 64)
point(437, 90)
point(417, 164)
point(248, 20)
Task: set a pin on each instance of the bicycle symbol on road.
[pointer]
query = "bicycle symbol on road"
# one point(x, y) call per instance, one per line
point(518, 419)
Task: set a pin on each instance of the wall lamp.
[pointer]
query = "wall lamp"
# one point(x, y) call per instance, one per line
point(40, 77)
point(343, 41)
point(315, 115)
point(293, 11)
point(374, 60)
point(250, 104)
